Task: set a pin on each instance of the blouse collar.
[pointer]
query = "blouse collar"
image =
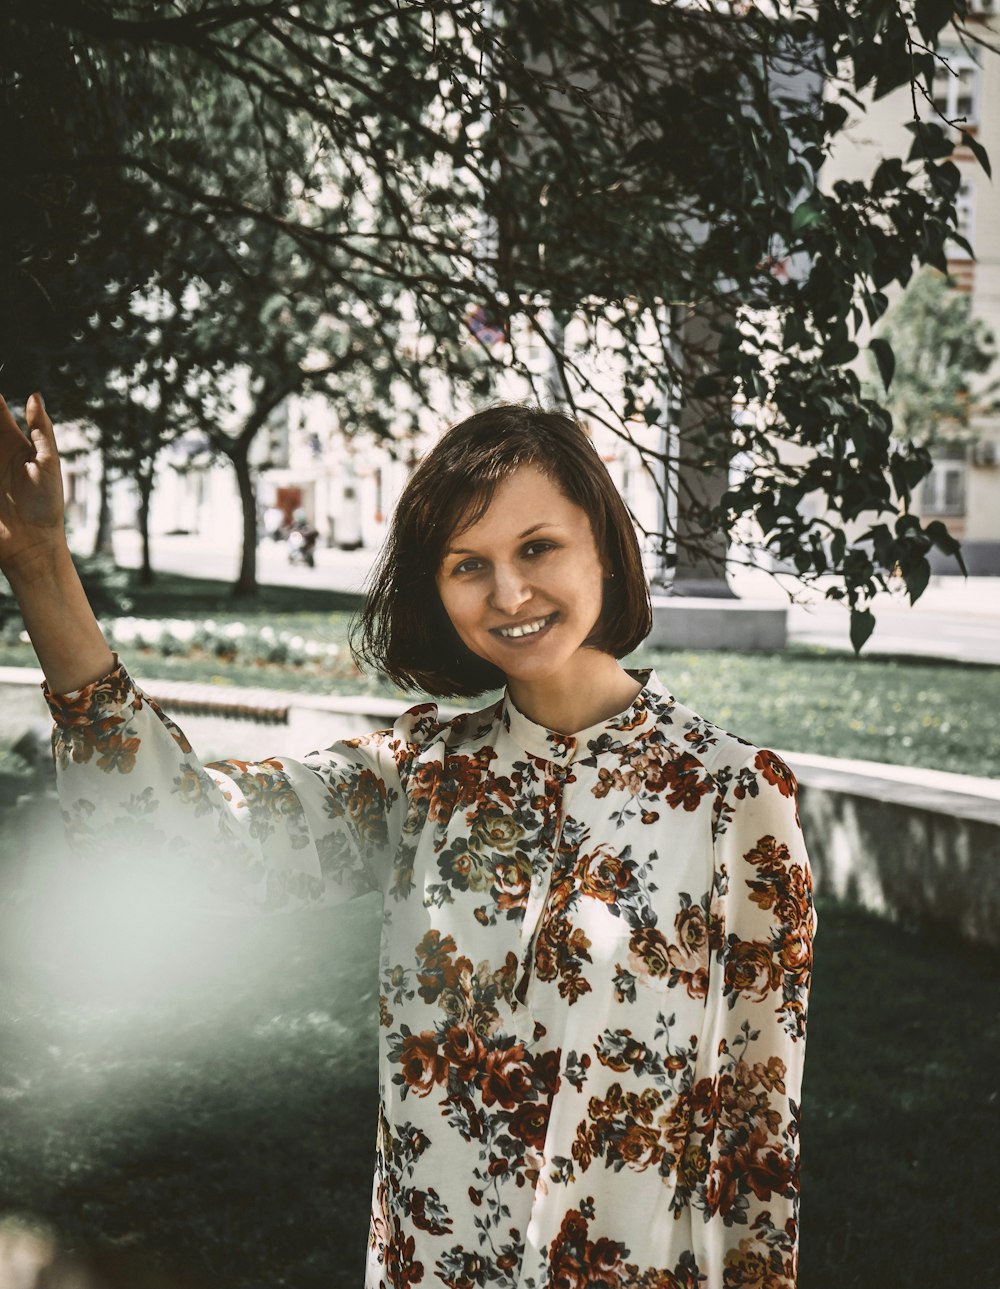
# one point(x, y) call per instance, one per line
point(561, 749)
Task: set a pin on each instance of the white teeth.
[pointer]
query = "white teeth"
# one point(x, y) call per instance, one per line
point(529, 629)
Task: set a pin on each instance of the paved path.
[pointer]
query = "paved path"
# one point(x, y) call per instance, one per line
point(954, 618)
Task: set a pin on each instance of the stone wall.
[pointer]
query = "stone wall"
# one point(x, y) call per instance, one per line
point(919, 846)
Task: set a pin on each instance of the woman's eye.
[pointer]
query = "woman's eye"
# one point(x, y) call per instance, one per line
point(538, 548)
point(466, 566)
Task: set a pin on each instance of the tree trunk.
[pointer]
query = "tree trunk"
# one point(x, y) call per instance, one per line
point(103, 539)
point(246, 583)
point(144, 480)
point(701, 546)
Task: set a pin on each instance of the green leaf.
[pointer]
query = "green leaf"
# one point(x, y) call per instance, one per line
point(885, 359)
point(945, 542)
point(931, 16)
point(930, 141)
point(978, 151)
point(806, 215)
point(862, 625)
point(916, 578)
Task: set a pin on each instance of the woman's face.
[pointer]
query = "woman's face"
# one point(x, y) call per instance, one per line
point(524, 585)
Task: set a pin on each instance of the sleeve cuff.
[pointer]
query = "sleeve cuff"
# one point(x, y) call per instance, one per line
point(98, 699)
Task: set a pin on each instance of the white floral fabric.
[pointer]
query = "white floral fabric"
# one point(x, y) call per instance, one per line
point(594, 964)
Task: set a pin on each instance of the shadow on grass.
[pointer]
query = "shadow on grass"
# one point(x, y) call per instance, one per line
point(901, 1110)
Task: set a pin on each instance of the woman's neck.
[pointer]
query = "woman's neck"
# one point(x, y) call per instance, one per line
point(568, 704)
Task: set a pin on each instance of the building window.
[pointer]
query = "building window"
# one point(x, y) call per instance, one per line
point(955, 88)
point(943, 491)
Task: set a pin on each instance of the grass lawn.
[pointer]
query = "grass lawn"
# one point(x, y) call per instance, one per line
point(903, 711)
point(207, 1095)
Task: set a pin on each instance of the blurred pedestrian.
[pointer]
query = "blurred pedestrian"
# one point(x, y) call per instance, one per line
point(274, 523)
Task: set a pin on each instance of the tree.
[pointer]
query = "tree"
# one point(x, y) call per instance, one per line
point(252, 322)
point(629, 157)
point(940, 349)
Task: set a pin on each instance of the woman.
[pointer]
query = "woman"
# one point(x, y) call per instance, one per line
point(596, 940)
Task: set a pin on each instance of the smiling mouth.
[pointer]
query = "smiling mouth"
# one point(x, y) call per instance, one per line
point(524, 629)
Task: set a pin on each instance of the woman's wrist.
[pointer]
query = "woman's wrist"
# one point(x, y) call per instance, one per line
point(60, 623)
point(46, 562)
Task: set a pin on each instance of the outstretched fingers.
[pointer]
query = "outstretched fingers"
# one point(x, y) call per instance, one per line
point(43, 436)
point(12, 441)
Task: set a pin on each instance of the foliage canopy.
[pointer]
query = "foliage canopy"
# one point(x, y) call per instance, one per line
point(618, 168)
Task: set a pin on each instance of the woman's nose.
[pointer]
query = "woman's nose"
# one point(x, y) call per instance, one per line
point(510, 591)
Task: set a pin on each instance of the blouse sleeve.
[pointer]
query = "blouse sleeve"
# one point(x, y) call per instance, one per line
point(744, 1142)
point(242, 836)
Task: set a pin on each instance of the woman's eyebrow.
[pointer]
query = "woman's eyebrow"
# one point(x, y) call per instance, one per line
point(462, 550)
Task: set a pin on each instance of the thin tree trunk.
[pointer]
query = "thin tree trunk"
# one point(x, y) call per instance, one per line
point(245, 586)
point(103, 539)
point(146, 576)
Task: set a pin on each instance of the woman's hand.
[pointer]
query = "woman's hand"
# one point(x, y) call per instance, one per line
point(36, 558)
point(31, 493)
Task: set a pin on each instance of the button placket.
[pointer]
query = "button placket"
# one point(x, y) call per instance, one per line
point(541, 885)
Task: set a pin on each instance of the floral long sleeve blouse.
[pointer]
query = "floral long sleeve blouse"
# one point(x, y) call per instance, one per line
point(595, 960)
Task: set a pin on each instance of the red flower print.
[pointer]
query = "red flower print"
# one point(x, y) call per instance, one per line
point(771, 859)
point(426, 784)
point(118, 754)
point(506, 1077)
point(579, 1263)
point(751, 969)
point(512, 882)
point(422, 1065)
point(705, 1100)
point(722, 1186)
point(765, 1170)
point(364, 799)
point(439, 972)
point(640, 1147)
point(464, 1051)
point(400, 1269)
point(604, 1263)
point(602, 875)
point(685, 782)
point(545, 1071)
point(529, 1123)
point(795, 956)
point(777, 772)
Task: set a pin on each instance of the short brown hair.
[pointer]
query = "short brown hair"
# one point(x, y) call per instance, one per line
point(403, 630)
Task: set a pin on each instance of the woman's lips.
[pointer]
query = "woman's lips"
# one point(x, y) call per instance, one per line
point(523, 629)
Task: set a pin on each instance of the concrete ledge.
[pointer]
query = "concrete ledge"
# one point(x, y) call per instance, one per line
point(919, 846)
point(274, 723)
point(696, 622)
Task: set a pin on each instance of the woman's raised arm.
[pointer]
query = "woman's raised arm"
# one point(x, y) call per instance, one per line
point(34, 555)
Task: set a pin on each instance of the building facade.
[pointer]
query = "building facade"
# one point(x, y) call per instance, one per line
point(963, 489)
